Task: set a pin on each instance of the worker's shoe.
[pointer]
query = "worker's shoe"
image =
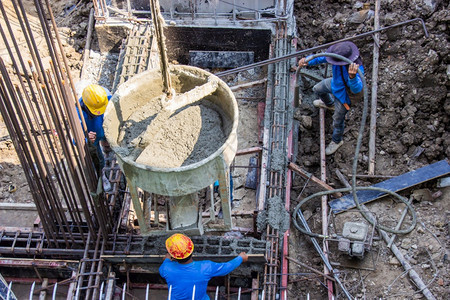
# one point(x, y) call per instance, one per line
point(332, 147)
point(320, 103)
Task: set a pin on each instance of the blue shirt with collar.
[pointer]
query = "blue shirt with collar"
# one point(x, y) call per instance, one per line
point(183, 277)
point(340, 73)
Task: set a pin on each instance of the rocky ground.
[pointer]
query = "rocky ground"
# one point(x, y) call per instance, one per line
point(412, 132)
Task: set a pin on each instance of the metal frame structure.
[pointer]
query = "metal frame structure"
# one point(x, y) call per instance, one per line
point(254, 12)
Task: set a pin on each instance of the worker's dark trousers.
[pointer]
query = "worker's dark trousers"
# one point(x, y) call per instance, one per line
point(323, 90)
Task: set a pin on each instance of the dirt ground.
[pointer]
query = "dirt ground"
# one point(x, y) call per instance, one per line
point(412, 132)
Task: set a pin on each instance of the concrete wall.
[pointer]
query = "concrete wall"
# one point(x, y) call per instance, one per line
point(179, 40)
point(203, 6)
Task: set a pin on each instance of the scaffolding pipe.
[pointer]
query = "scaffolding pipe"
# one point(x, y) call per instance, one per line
point(373, 107)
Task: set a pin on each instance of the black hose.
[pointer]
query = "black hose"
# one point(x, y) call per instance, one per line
point(355, 188)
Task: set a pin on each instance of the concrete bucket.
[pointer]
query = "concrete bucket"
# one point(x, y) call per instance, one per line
point(174, 146)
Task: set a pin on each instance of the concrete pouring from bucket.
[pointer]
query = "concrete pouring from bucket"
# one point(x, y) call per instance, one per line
point(174, 147)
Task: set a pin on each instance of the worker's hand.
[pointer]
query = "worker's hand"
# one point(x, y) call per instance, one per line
point(352, 70)
point(302, 63)
point(167, 256)
point(92, 136)
point(106, 147)
point(244, 256)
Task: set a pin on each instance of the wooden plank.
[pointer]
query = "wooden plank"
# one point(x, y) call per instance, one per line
point(373, 104)
point(313, 178)
point(255, 288)
point(251, 180)
point(158, 259)
point(399, 183)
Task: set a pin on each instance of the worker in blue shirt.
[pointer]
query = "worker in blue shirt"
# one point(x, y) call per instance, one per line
point(93, 102)
point(183, 274)
point(345, 82)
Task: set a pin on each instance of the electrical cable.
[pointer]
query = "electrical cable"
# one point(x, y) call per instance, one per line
point(355, 188)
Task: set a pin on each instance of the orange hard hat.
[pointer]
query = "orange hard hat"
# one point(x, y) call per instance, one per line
point(95, 98)
point(179, 246)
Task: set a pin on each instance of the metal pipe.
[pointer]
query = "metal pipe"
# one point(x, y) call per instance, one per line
point(8, 295)
point(54, 291)
point(32, 291)
point(164, 62)
point(101, 290)
point(216, 297)
point(313, 49)
point(373, 107)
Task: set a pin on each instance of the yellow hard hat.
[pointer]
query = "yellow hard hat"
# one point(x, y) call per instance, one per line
point(95, 99)
point(179, 246)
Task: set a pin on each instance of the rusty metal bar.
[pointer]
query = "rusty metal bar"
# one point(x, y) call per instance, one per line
point(49, 95)
point(62, 74)
point(82, 268)
point(158, 22)
point(23, 153)
point(99, 268)
point(92, 271)
point(324, 203)
point(320, 47)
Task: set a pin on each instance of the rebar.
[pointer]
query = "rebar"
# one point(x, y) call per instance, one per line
point(320, 47)
point(41, 117)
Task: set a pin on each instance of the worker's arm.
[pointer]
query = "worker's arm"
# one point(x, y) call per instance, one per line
point(316, 61)
point(162, 268)
point(355, 82)
point(221, 269)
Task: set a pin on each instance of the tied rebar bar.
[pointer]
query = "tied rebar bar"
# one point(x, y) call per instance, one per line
point(39, 106)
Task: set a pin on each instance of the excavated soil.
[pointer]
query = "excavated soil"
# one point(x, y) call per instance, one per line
point(412, 132)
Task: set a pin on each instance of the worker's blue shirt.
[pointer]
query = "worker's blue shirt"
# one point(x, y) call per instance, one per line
point(340, 73)
point(183, 277)
point(94, 123)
